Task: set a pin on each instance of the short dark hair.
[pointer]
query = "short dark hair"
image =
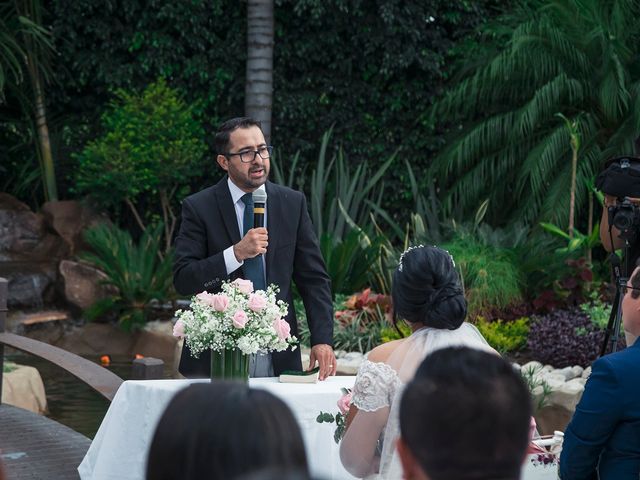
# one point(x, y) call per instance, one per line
point(223, 134)
point(426, 289)
point(222, 430)
point(275, 474)
point(466, 414)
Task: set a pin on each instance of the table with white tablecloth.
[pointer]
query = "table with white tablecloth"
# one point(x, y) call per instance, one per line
point(119, 449)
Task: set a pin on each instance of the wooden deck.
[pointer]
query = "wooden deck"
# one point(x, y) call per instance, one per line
point(35, 447)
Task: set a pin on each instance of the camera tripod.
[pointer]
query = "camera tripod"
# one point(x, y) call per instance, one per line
point(612, 333)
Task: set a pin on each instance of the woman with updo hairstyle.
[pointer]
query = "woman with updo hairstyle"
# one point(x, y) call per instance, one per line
point(426, 294)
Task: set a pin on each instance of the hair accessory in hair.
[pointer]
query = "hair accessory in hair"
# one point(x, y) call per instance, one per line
point(422, 246)
point(405, 252)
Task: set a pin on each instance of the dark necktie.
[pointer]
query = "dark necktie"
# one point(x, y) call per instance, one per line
point(253, 268)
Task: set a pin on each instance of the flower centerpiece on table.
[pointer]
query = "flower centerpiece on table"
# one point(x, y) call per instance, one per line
point(234, 324)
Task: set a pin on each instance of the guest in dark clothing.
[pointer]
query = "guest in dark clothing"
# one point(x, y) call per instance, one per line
point(224, 430)
point(603, 438)
point(465, 415)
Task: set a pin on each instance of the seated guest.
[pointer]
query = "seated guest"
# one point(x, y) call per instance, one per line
point(275, 474)
point(426, 293)
point(465, 415)
point(603, 438)
point(224, 430)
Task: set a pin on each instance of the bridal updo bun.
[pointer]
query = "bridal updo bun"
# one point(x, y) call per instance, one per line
point(426, 289)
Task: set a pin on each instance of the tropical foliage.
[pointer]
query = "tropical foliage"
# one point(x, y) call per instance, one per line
point(26, 48)
point(137, 273)
point(575, 57)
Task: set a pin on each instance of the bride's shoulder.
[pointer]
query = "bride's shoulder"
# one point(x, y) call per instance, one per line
point(381, 353)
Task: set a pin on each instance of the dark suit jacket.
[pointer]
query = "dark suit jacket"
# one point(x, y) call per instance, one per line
point(209, 226)
point(604, 433)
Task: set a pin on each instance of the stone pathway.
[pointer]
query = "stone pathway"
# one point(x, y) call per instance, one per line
point(35, 447)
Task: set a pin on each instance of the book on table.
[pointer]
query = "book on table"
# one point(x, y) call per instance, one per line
point(300, 376)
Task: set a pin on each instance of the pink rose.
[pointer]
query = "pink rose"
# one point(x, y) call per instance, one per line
point(245, 286)
point(240, 319)
point(257, 302)
point(205, 298)
point(178, 329)
point(282, 328)
point(344, 403)
point(220, 302)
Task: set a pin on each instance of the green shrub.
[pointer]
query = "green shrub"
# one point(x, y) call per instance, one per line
point(490, 275)
point(389, 334)
point(137, 272)
point(597, 310)
point(504, 336)
point(348, 260)
point(151, 147)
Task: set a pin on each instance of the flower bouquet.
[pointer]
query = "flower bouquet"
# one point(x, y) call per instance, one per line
point(233, 324)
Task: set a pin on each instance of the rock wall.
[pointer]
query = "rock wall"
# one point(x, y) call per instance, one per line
point(556, 391)
point(32, 247)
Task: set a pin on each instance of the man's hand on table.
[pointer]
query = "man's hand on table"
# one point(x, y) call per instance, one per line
point(323, 353)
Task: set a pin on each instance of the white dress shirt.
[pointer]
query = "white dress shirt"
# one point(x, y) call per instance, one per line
point(230, 260)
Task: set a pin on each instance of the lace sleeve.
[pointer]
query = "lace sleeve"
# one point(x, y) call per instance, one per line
point(375, 386)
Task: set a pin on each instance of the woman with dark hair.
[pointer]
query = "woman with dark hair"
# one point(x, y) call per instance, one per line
point(426, 293)
point(224, 430)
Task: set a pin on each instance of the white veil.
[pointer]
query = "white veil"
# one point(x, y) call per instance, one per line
point(377, 395)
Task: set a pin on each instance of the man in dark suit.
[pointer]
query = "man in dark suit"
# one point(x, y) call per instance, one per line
point(603, 439)
point(210, 247)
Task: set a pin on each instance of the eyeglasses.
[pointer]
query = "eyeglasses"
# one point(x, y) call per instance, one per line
point(250, 155)
point(635, 291)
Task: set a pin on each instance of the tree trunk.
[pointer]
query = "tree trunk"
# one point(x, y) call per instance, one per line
point(49, 175)
point(259, 80)
point(590, 226)
point(36, 53)
point(572, 202)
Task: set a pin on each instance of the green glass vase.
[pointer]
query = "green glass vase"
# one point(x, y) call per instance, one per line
point(229, 365)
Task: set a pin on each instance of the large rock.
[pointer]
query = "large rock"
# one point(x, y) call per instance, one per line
point(82, 284)
point(95, 339)
point(28, 254)
point(23, 234)
point(156, 340)
point(69, 219)
point(30, 285)
point(350, 363)
point(23, 388)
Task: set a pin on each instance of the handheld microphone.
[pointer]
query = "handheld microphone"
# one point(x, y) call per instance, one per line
point(259, 202)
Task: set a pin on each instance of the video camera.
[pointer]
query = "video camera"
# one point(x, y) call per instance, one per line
point(621, 179)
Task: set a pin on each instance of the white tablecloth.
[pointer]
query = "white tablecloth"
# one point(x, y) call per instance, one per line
point(119, 449)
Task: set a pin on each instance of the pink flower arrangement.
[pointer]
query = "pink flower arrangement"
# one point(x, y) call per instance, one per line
point(236, 318)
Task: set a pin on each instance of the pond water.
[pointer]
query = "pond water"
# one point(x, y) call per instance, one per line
point(70, 401)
